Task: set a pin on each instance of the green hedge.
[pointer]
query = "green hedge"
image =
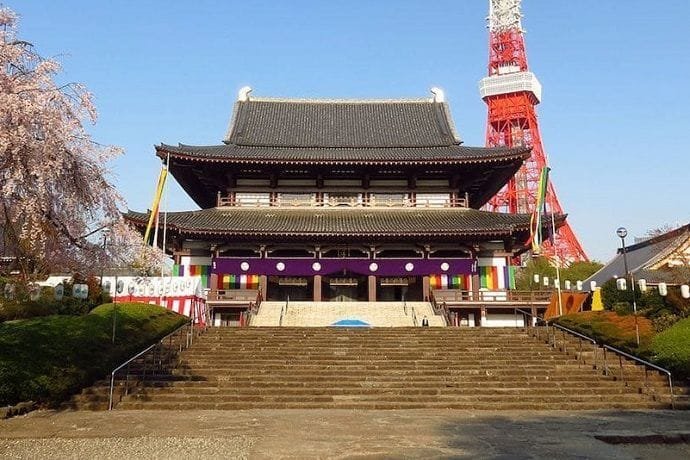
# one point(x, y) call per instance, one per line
point(49, 358)
point(671, 348)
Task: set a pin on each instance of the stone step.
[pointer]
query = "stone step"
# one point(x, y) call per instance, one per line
point(387, 369)
point(206, 392)
point(292, 380)
point(469, 405)
point(385, 397)
point(206, 387)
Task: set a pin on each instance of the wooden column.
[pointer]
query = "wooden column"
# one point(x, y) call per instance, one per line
point(317, 288)
point(482, 316)
point(372, 288)
point(263, 286)
point(426, 290)
point(213, 284)
point(475, 286)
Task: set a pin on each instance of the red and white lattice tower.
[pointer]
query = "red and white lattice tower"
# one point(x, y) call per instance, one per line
point(511, 93)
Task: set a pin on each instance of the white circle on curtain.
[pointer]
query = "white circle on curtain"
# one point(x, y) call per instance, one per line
point(445, 266)
point(316, 266)
point(409, 266)
point(373, 266)
point(244, 266)
point(280, 266)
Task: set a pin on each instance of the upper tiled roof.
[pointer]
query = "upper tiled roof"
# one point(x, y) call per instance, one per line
point(349, 223)
point(454, 154)
point(341, 124)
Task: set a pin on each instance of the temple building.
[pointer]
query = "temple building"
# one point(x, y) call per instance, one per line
point(343, 200)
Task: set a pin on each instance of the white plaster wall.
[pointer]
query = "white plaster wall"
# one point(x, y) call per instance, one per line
point(503, 320)
point(195, 260)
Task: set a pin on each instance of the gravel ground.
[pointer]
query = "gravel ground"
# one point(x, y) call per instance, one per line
point(346, 434)
point(145, 447)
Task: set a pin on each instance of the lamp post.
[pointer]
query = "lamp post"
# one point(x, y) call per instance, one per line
point(105, 246)
point(622, 232)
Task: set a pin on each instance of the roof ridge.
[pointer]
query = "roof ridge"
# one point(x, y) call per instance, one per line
point(341, 100)
point(676, 232)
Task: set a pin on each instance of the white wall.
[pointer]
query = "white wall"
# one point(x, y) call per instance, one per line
point(503, 320)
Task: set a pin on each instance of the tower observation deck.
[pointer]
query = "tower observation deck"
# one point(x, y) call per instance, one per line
point(511, 93)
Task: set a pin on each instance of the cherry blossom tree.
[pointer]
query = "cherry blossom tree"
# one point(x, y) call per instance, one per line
point(55, 195)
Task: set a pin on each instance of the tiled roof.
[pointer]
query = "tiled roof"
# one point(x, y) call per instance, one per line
point(455, 154)
point(338, 222)
point(341, 124)
point(644, 258)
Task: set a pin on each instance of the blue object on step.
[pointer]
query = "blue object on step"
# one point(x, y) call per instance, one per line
point(351, 323)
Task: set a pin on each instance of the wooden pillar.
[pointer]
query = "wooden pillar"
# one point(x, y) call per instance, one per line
point(317, 288)
point(372, 288)
point(475, 286)
point(213, 284)
point(482, 316)
point(263, 286)
point(426, 290)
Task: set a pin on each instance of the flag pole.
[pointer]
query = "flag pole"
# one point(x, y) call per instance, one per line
point(558, 263)
point(165, 212)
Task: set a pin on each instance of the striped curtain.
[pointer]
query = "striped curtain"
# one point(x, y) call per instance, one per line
point(449, 281)
point(509, 276)
point(204, 271)
point(488, 277)
point(229, 281)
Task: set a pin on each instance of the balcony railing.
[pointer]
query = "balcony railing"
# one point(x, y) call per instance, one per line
point(462, 296)
point(355, 202)
point(237, 295)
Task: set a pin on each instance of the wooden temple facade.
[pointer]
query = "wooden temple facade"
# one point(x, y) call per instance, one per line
point(343, 200)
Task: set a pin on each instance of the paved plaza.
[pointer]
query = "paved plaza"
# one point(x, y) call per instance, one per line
point(347, 434)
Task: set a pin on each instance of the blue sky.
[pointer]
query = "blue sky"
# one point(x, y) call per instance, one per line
point(614, 115)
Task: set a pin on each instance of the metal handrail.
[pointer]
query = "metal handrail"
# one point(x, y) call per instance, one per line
point(570, 331)
point(578, 335)
point(643, 362)
point(620, 353)
point(537, 317)
point(188, 342)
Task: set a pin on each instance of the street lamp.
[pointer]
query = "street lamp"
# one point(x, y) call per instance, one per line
point(622, 232)
point(105, 247)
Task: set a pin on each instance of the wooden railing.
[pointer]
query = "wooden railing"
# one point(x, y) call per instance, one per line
point(457, 295)
point(358, 202)
point(240, 295)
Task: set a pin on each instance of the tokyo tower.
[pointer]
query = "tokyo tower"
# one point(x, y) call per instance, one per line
point(511, 93)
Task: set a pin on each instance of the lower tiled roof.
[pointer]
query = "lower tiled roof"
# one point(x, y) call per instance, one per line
point(338, 222)
point(453, 154)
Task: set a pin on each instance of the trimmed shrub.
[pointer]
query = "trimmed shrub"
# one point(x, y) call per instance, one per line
point(611, 328)
point(47, 359)
point(671, 348)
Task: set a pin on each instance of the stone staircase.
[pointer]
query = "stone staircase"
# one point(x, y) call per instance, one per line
point(268, 314)
point(323, 314)
point(388, 368)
